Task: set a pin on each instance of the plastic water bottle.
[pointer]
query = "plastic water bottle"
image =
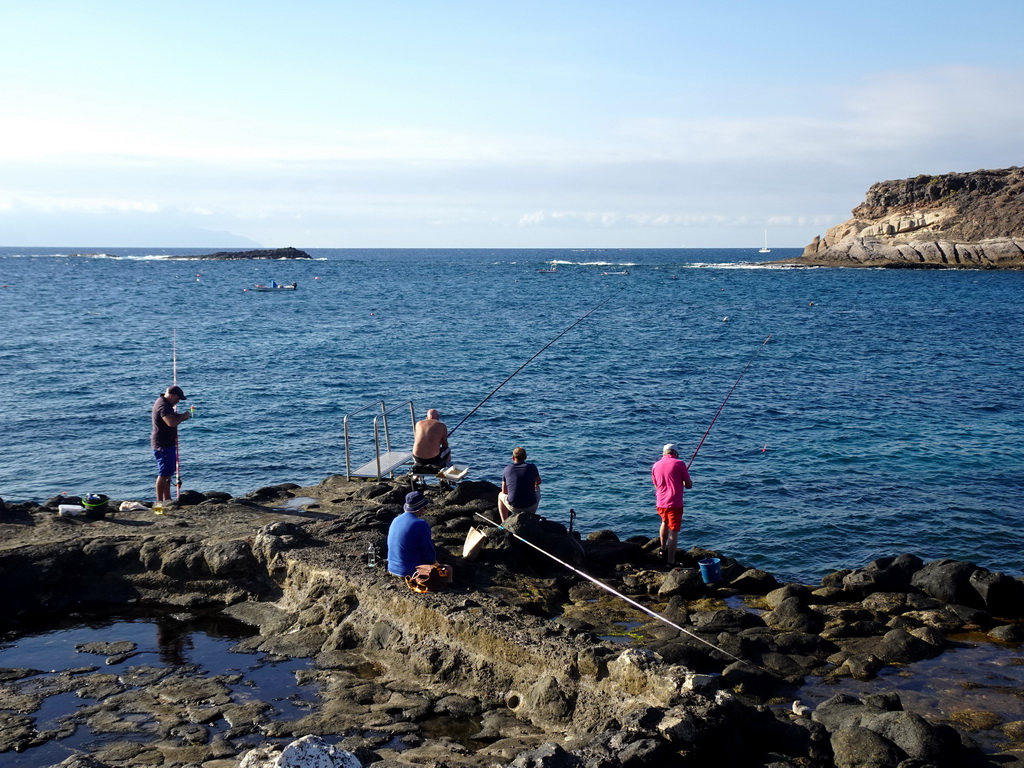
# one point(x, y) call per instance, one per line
point(371, 556)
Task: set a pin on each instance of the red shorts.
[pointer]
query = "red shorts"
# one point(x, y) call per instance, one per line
point(671, 517)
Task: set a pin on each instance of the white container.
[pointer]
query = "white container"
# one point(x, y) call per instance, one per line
point(69, 510)
point(475, 539)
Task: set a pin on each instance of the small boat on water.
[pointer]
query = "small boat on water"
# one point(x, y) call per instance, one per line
point(766, 249)
point(275, 287)
point(554, 268)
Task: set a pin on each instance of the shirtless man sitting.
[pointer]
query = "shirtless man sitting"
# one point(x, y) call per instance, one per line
point(430, 442)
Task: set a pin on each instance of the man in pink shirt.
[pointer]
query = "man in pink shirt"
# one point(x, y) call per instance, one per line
point(670, 477)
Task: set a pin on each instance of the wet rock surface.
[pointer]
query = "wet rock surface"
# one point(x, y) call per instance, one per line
point(521, 662)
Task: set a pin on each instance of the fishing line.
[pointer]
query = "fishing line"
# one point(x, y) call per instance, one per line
point(727, 399)
point(605, 587)
point(517, 370)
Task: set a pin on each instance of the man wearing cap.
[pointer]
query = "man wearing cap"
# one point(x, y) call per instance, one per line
point(164, 438)
point(409, 540)
point(670, 477)
point(430, 441)
point(520, 486)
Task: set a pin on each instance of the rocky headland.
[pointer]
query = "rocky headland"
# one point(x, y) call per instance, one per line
point(272, 253)
point(953, 221)
point(548, 669)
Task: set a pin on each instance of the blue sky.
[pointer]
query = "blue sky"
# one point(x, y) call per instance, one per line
point(487, 124)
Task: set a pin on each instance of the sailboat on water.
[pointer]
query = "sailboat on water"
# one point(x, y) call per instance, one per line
point(766, 249)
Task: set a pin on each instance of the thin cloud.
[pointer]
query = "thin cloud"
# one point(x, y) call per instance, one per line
point(802, 169)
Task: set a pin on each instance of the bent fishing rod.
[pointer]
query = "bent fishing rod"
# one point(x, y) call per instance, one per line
point(535, 356)
point(708, 430)
point(602, 585)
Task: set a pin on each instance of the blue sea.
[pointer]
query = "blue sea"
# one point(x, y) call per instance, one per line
point(880, 413)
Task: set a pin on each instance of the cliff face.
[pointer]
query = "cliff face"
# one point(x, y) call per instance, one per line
point(966, 220)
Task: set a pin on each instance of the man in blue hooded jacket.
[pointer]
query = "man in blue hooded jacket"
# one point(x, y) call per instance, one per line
point(409, 541)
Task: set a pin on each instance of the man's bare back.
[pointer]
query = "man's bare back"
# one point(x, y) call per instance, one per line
point(430, 437)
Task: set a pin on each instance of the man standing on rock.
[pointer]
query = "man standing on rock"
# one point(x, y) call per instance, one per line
point(430, 441)
point(670, 476)
point(164, 438)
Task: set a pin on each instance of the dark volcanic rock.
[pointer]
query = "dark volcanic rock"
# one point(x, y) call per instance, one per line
point(858, 747)
point(525, 651)
point(900, 647)
point(549, 755)
point(890, 574)
point(1001, 594)
point(273, 253)
point(682, 582)
point(793, 616)
point(948, 581)
point(877, 732)
point(755, 581)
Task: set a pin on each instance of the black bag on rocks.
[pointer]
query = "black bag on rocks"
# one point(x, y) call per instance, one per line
point(95, 505)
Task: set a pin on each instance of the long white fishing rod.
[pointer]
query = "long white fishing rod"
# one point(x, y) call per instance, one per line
point(602, 585)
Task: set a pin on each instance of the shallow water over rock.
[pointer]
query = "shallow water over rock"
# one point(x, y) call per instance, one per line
point(93, 682)
point(977, 686)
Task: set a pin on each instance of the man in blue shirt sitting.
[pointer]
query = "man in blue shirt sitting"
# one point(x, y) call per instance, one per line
point(520, 486)
point(409, 540)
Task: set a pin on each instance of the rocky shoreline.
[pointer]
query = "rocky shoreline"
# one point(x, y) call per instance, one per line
point(954, 221)
point(521, 648)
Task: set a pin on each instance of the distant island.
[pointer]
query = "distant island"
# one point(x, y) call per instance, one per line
point(273, 253)
point(955, 221)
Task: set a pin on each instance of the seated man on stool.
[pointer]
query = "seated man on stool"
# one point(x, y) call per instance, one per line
point(409, 541)
point(520, 486)
point(430, 449)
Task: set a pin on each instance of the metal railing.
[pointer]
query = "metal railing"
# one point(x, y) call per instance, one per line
point(384, 463)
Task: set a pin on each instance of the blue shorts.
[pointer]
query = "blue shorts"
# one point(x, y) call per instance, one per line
point(166, 460)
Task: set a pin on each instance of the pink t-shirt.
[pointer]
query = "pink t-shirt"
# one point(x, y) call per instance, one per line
point(670, 476)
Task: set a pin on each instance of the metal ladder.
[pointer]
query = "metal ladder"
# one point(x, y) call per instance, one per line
point(383, 463)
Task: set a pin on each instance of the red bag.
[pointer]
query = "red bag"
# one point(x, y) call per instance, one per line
point(430, 578)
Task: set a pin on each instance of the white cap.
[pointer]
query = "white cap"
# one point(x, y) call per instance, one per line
point(669, 448)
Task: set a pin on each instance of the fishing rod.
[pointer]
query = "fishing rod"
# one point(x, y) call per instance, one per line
point(174, 382)
point(726, 400)
point(535, 356)
point(615, 592)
